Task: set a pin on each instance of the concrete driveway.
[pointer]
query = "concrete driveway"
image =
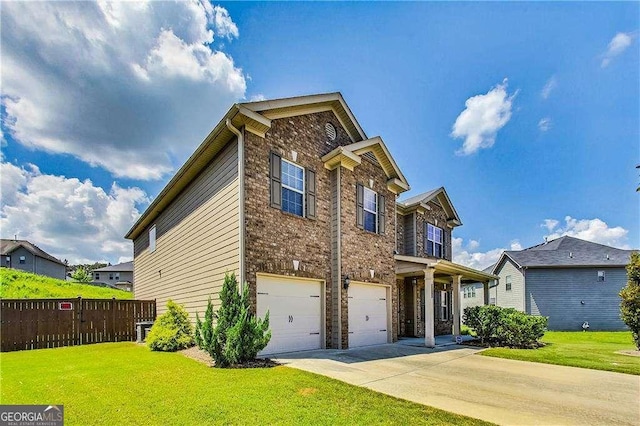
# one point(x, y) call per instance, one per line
point(503, 391)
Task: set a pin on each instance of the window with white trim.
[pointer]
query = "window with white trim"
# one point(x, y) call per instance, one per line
point(370, 205)
point(507, 283)
point(97, 276)
point(444, 305)
point(434, 240)
point(23, 260)
point(601, 276)
point(465, 292)
point(292, 177)
point(117, 275)
point(152, 239)
point(473, 292)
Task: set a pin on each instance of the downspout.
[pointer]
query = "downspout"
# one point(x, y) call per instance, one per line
point(241, 227)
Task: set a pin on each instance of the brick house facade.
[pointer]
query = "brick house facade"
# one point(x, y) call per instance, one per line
point(309, 220)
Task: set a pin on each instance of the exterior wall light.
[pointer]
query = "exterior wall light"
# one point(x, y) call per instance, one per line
point(346, 282)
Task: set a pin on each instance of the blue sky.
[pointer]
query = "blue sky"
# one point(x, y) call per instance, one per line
point(527, 113)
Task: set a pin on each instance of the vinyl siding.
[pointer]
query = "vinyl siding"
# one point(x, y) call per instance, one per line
point(36, 264)
point(558, 293)
point(467, 302)
point(515, 297)
point(196, 240)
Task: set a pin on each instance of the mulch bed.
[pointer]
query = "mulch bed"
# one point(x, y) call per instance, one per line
point(476, 343)
point(201, 356)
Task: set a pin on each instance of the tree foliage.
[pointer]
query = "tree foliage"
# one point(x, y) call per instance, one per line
point(630, 295)
point(172, 330)
point(238, 335)
point(81, 275)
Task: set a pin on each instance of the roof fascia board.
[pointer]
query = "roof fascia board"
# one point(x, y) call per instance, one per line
point(369, 145)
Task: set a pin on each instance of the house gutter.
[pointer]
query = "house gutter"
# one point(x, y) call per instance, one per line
point(241, 203)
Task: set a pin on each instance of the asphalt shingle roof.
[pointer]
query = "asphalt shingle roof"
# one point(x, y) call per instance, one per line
point(570, 251)
point(120, 267)
point(8, 246)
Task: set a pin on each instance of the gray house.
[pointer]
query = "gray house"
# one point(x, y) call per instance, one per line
point(120, 276)
point(21, 254)
point(569, 280)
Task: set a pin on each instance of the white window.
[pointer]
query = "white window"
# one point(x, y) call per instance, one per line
point(97, 275)
point(444, 306)
point(23, 260)
point(473, 292)
point(117, 275)
point(601, 276)
point(110, 276)
point(434, 241)
point(152, 239)
point(464, 292)
point(507, 283)
point(292, 177)
point(370, 204)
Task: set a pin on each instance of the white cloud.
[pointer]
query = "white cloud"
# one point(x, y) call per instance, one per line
point(618, 44)
point(544, 124)
point(548, 87)
point(257, 98)
point(132, 87)
point(224, 26)
point(68, 218)
point(482, 118)
point(594, 230)
point(468, 255)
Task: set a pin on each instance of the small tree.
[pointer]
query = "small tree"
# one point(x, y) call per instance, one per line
point(630, 304)
point(204, 330)
point(172, 331)
point(248, 336)
point(81, 275)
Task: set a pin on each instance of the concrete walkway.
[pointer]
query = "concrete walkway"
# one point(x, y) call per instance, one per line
point(502, 391)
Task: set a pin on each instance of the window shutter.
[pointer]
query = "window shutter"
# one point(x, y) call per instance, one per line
point(276, 180)
point(444, 243)
point(359, 206)
point(381, 216)
point(436, 305)
point(311, 193)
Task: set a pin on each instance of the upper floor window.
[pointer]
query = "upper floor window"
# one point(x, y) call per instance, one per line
point(97, 275)
point(370, 206)
point(23, 260)
point(370, 214)
point(152, 239)
point(601, 276)
point(117, 275)
point(110, 276)
point(434, 245)
point(507, 283)
point(292, 187)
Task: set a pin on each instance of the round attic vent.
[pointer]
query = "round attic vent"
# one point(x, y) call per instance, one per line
point(331, 131)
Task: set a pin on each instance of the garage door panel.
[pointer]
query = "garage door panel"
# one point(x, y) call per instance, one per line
point(295, 313)
point(367, 315)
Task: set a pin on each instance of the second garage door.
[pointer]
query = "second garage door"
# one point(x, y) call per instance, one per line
point(295, 312)
point(367, 315)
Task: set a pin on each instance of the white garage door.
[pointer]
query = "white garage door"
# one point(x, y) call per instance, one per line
point(295, 313)
point(367, 315)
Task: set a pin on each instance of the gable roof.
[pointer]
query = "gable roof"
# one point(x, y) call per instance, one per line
point(256, 118)
point(439, 195)
point(120, 267)
point(568, 252)
point(9, 246)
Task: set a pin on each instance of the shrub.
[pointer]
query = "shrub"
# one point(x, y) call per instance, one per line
point(630, 304)
point(81, 275)
point(204, 330)
point(505, 326)
point(238, 335)
point(172, 331)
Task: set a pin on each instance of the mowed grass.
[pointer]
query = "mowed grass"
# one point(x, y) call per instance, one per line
point(592, 349)
point(126, 384)
point(16, 284)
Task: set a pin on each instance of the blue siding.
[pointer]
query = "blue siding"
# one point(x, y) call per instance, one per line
point(559, 293)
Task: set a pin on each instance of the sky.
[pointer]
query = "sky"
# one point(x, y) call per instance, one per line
point(527, 113)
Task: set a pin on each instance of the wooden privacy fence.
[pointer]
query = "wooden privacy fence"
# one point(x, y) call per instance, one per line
point(50, 323)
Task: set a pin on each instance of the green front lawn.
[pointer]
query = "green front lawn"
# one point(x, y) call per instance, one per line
point(125, 383)
point(592, 349)
point(15, 284)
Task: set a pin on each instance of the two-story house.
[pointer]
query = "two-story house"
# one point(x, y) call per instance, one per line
point(292, 196)
point(23, 255)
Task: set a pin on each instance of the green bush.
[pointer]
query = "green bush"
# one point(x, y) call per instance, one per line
point(172, 331)
point(505, 326)
point(204, 330)
point(238, 335)
point(630, 304)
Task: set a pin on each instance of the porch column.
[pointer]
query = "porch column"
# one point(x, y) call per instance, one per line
point(455, 304)
point(429, 326)
point(485, 288)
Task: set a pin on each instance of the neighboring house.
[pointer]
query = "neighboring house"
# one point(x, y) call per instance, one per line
point(569, 280)
point(120, 275)
point(23, 255)
point(472, 294)
point(292, 196)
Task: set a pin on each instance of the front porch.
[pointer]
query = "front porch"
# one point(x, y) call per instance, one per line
point(429, 296)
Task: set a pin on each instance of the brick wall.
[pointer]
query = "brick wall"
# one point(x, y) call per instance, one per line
point(437, 217)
